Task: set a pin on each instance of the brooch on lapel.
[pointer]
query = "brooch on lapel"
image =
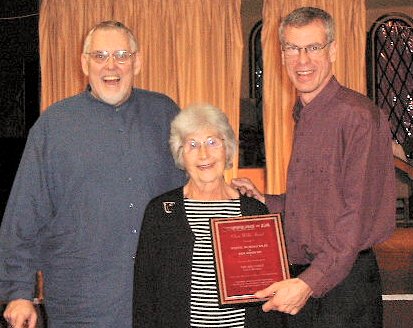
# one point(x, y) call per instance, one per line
point(167, 206)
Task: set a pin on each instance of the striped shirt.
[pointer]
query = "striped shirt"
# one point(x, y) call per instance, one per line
point(205, 311)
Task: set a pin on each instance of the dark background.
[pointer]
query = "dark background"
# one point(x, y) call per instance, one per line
point(19, 84)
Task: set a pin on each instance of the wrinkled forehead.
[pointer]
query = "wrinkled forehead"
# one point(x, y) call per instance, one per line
point(201, 132)
point(110, 39)
point(311, 33)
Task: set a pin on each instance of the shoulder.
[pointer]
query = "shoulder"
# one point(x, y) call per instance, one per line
point(351, 97)
point(154, 99)
point(351, 109)
point(175, 195)
point(151, 94)
point(156, 107)
point(65, 110)
point(166, 206)
point(251, 206)
point(356, 103)
point(61, 112)
point(77, 101)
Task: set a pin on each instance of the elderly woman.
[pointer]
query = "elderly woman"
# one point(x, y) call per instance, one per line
point(175, 278)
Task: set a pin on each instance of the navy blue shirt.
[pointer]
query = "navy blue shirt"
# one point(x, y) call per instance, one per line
point(75, 210)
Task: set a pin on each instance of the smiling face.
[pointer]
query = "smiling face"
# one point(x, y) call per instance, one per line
point(309, 74)
point(205, 165)
point(110, 82)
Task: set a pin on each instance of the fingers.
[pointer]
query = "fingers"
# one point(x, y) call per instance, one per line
point(267, 292)
point(246, 187)
point(20, 314)
point(271, 304)
point(277, 304)
point(16, 322)
point(243, 191)
point(238, 184)
point(288, 296)
point(286, 308)
point(31, 323)
point(242, 184)
point(240, 181)
point(22, 323)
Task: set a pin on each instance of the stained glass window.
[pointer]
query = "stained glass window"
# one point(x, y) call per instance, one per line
point(391, 78)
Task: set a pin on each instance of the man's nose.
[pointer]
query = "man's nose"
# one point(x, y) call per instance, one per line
point(110, 62)
point(303, 56)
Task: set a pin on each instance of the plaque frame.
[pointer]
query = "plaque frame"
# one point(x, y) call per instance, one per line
point(270, 225)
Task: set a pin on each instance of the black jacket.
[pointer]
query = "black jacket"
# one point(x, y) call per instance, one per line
point(163, 266)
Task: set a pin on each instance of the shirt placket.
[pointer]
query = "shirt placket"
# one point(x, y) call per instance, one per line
point(127, 179)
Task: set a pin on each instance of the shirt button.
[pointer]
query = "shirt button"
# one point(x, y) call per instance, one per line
point(131, 205)
point(134, 231)
point(129, 179)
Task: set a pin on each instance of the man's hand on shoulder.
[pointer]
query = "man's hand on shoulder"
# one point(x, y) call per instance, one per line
point(21, 313)
point(246, 187)
point(288, 296)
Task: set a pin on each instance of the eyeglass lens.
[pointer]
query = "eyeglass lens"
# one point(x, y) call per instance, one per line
point(312, 49)
point(211, 142)
point(120, 56)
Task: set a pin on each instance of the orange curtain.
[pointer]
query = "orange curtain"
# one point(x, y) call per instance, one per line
point(62, 28)
point(192, 49)
point(279, 93)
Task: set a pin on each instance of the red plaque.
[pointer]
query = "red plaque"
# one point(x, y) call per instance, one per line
point(249, 255)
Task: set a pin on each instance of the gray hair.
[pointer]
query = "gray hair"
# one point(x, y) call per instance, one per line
point(192, 119)
point(111, 25)
point(303, 16)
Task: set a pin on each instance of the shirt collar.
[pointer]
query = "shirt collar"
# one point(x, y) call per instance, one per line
point(320, 101)
point(88, 92)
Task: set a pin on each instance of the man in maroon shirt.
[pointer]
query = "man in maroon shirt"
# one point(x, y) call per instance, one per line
point(340, 198)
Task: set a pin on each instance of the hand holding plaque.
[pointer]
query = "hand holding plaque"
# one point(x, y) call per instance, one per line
point(249, 255)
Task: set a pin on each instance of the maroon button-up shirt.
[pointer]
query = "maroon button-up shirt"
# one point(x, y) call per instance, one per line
point(340, 195)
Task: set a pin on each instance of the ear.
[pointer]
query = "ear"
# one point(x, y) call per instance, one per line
point(137, 63)
point(332, 51)
point(85, 65)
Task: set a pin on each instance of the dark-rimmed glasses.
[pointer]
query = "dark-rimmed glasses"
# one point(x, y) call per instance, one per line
point(312, 50)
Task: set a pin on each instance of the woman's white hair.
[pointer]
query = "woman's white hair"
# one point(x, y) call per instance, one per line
point(196, 117)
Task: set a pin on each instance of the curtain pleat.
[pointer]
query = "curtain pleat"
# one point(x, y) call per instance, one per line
point(191, 50)
point(279, 93)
